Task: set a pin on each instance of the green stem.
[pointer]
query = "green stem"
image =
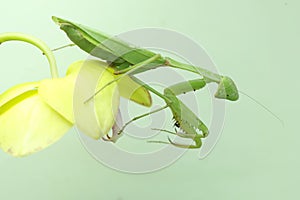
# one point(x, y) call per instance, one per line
point(36, 42)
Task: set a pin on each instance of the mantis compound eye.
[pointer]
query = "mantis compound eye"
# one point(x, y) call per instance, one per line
point(227, 89)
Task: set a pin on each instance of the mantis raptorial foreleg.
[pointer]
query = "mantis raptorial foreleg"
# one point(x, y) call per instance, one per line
point(185, 119)
point(187, 86)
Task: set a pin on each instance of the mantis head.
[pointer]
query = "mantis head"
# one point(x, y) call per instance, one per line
point(227, 89)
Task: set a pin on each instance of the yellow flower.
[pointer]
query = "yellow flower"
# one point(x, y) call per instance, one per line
point(68, 96)
point(35, 115)
point(27, 124)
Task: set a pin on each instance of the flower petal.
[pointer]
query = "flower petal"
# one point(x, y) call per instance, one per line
point(58, 93)
point(129, 89)
point(27, 124)
point(16, 91)
point(68, 97)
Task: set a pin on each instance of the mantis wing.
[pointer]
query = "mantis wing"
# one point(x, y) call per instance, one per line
point(108, 48)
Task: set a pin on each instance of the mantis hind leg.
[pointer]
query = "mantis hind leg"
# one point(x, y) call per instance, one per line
point(139, 117)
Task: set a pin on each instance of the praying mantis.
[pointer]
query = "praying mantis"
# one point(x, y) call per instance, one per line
point(126, 59)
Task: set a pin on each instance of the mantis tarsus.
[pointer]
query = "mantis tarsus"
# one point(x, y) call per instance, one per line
point(129, 60)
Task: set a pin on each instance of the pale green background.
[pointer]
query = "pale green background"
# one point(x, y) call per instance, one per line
point(255, 42)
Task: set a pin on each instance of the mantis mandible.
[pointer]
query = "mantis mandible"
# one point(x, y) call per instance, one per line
point(125, 59)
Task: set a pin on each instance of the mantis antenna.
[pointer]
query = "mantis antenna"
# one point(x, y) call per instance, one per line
point(264, 107)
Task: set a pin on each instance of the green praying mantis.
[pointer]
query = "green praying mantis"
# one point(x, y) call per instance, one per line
point(126, 59)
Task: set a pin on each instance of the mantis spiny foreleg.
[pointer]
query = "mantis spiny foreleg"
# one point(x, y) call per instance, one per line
point(187, 121)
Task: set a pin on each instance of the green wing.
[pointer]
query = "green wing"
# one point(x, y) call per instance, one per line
point(108, 48)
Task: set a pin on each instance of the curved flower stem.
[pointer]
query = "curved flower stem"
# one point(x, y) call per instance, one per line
point(36, 42)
